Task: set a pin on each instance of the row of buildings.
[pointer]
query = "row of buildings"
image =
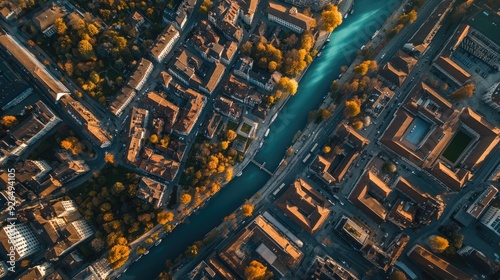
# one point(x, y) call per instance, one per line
point(52, 232)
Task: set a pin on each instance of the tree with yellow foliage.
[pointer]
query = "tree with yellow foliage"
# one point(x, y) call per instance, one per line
point(153, 138)
point(224, 145)
point(60, 26)
point(109, 158)
point(229, 174)
point(438, 243)
point(165, 217)
point(331, 18)
point(256, 271)
point(288, 85)
point(247, 209)
point(72, 144)
point(206, 6)
point(366, 66)
point(357, 125)
point(9, 121)
point(352, 108)
point(327, 149)
point(185, 199)
point(231, 135)
point(118, 255)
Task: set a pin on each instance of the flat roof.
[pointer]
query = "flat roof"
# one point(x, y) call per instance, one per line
point(32, 65)
point(488, 23)
point(482, 202)
point(11, 84)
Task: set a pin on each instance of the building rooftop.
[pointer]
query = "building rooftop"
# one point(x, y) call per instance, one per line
point(140, 73)
point(49, 13)
point(195, 71)
point(451, 69)
point(327, 268)
point(163, 40)
point(354, 138)
point(195, 102)
point(33, 66)
point(11, 84)
point(87, 120)
point(424, 35)
point(262, 239)
point(480, 204)
point(151, 191)
point(398, 68)
point(158, 165)
point(368, 195)
point(163, 108)
point(306, 206)
point(356, 235)
point(227, 107)
point(290, 15)
point(488, 23)
point(435, 266)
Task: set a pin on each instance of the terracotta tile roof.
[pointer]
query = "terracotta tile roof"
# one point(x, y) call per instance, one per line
point(290, 15)
point(452, 70)
point(304, 205)
point(368, 194)
point(450, 178)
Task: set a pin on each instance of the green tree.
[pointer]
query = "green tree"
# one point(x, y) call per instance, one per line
point(457, 240)
point(247, 209)
point(331, 18)
point(438, 243)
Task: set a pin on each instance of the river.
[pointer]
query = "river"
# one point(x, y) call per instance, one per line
point(346, 40)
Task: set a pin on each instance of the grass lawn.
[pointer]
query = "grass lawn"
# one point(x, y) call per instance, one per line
point(457, 146)
point(245, 128)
